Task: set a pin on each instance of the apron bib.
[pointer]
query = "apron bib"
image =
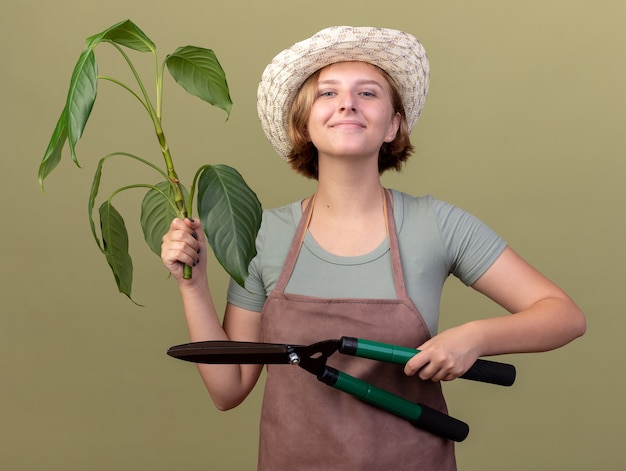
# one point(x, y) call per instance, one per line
point(307, 425)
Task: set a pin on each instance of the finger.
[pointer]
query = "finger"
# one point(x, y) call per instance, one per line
point(179, 252)
point(196, 227)
point(178, 224)
point(180, 246)
point(199, 235)
point(440, 370)
point(416, 364)
point(197, 232)
point(183, 230)
point(429, 372)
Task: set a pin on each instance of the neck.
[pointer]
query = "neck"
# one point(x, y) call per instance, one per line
point(348, 216)
point(344, 187)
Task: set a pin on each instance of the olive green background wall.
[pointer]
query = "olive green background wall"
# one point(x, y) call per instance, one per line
point(524, 126)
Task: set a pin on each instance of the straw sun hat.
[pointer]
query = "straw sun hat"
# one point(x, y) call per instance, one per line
point(396, 52)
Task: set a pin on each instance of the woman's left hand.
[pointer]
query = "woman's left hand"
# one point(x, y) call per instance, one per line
point(447, 355)
point(542, 318)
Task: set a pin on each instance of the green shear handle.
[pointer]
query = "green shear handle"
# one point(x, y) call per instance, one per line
point(486, 371)
point(418, 414)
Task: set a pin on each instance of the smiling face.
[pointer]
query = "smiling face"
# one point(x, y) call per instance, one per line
point(352, 113)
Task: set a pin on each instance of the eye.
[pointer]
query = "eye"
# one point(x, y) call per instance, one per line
point(367, 93)
point(326, 93)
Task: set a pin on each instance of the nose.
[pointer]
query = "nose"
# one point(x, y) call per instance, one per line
point(347, 102)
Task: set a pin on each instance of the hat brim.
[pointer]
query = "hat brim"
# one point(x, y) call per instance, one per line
point(398, 53)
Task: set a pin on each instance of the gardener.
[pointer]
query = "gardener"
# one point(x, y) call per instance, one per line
point(359, 260)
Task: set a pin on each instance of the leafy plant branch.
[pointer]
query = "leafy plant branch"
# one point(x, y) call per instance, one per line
point(228, 209)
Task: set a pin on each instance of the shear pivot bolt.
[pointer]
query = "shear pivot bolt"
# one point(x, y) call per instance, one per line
point(294, 359)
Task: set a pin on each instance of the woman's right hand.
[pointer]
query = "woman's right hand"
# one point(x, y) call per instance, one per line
point(184, 244)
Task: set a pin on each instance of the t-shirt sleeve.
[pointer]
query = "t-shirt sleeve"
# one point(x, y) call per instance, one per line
point(470, 245)
point(241, 297)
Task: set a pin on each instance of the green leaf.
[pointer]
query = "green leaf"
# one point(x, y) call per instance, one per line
point(81, 97)
point(95, 186)
point(83, 90)
point(52, 157)
point(157, 214)
point(125, 33)
point(199, 72)
point(231, 215)
point(115, 243)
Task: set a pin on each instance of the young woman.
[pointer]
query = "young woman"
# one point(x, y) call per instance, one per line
point(359, 260)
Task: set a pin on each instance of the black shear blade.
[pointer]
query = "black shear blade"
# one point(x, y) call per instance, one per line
point(227, 352)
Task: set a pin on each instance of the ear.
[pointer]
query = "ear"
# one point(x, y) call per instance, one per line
point(394, 126)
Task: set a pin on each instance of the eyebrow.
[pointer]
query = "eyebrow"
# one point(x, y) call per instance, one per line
point(358, 82)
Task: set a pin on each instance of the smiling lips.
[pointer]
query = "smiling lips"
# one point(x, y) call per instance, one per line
point(347, 124)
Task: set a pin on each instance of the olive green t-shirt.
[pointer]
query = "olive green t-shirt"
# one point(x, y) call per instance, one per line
point(435, 238)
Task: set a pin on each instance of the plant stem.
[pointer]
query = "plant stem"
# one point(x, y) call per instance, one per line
point(179, 198)
point(127, 88)
point(171, 172)
point(155, 115)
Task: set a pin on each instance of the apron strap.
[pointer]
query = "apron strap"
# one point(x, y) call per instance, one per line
point(298, 240)
point(394, 246)
point(294, 249)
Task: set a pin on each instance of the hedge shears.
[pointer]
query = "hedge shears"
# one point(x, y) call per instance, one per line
point(313, 358)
